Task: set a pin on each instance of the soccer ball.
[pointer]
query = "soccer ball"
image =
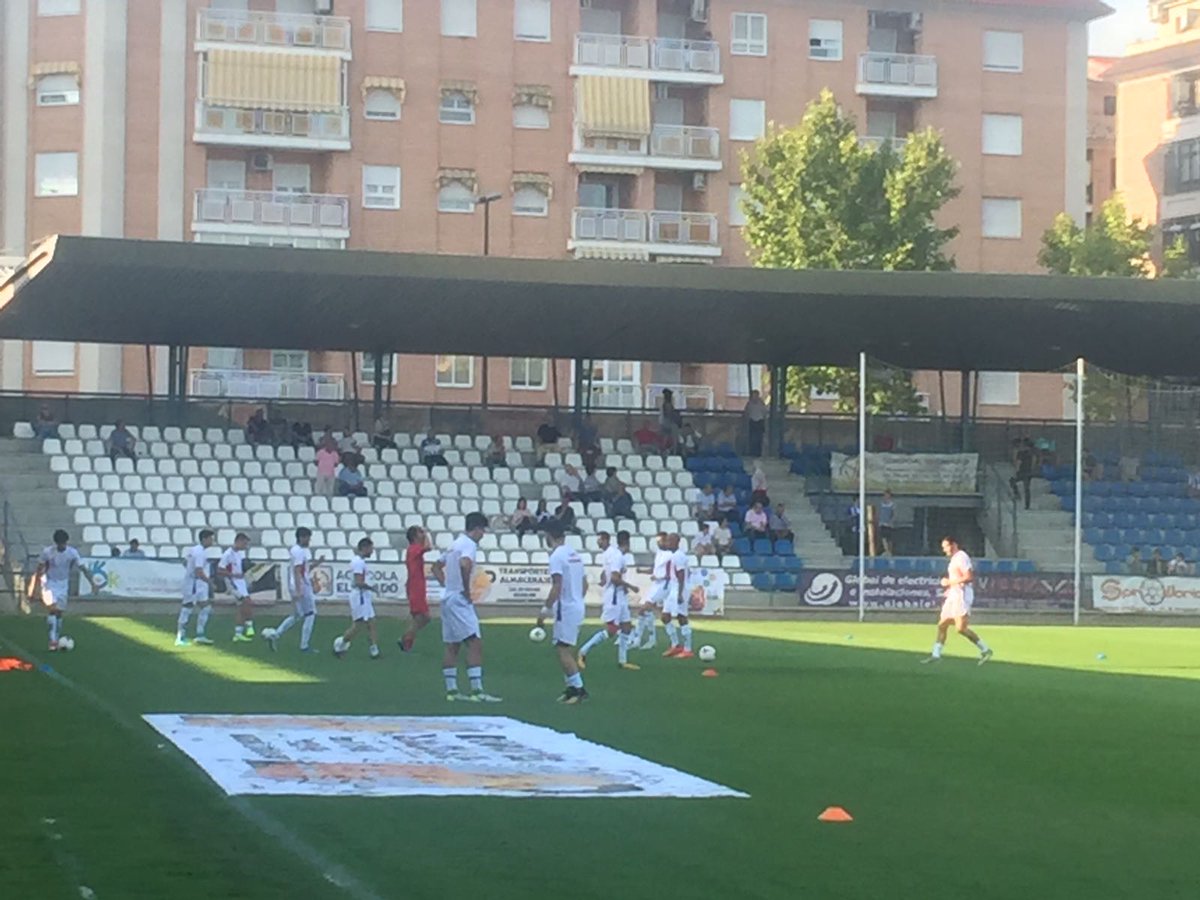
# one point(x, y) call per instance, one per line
point(66, 643)
point(268, 633)
point(707, 653)
point(537, 634)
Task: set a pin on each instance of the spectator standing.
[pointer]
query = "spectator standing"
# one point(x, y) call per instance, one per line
point(568, 480)
point(1128, 467)
point(1179, 566)
point(383, 437)
point(779, 524)
point(1135, 565)
point(280, 430)
point(121, 443)
point(755, 414)
point(704, 504)
point(1156, 566)
point(1024, 457)
point(670, 422)
point(327, 461)
point(258, 431)
point(587, 440)
point(432, 452)
point(690, 440)
point(1092, 470)
point(722, 538)
point(350, 482)
point(622, 504)
point(522, 521)
point(755, 523)
point(853, 523)
point(45, 425)
point(727, 502)
point(497, 453)
point(887, 523)
point(548, 437)
point(134, 551)
point(702, 543)
point(758, 485)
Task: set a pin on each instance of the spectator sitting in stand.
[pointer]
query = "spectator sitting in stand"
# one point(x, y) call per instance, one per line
point(591, 491)
point(647, 440)
point(350, 481)
point(722, 538)
point(779, 524)
point(302, 435)
point(548, 437)
point(121, 442)
point(568, 480)
point(1156, 566)
point(1179, 566)
point(1135, 565)
point(134, 551)
point(383, 437)
point(327, 461)
point(690, 440)
point(45, 425)
point(564, 519)
point(1092, 470)
point(704, 504)
point(114, 551)
point(542, 516)
point(621, 506)
point(432, 453)
point(727, 502)
point(522, 521)
point(497, 453)
point(611, 482)
point(258, 431)
point(280, 429)
point(758, 486)
point(755, 523)
point(703, 543)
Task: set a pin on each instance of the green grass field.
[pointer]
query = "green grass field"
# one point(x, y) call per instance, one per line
point(1047, 773)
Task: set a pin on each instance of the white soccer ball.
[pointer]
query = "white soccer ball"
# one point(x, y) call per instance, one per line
point(537, 634)
point(707, 653)
point(268, 633)
point(66, 643)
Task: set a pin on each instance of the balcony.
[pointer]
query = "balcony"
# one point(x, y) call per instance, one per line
point(897, 75)
point(660, 59)
point(270, 30)
point(878, 140)
point(691, 148)
point(257, 385)
point(642, 234)
point(268, 128)
point(269, 212)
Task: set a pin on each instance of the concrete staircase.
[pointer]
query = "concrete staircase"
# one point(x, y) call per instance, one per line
point(1045, 533)
point(36, 506)
point(814, 544)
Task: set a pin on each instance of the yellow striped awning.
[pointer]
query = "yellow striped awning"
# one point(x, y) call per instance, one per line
point(604, 169)
point(539, 180)
point(384, 83)
point(616, 253)
point(253, 79)
point(54, 68)
point(614, 107)
point(461, 176)
point(466, 88)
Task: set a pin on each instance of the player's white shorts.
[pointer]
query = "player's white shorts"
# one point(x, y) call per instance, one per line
point(567, 622)
point(54, 593)
point(956, 605)
point(616, 607)
point(361, 607)
point(237, 587)
point(674, 605)
point(459, 619)
point(659, 593)
point(195, 590)
point(305, 603)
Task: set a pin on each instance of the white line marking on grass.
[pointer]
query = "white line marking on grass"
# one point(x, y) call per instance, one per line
point(266, 823)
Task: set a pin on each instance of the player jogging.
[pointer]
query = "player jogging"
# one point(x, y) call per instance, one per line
point(647, 621)
point(54, 575)
point(675, 603)
point(415, 585)
point(568, 585)
point(362, 609)
point(304, 602)
point(460, 621)
point(231, 567)
point(960, 594)
point(614, 613)
point(197, 590)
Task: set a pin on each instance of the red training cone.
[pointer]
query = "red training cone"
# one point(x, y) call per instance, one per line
point(835, 814)
point(709, 673)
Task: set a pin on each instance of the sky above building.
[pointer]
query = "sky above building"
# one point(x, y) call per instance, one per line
point(1130, 22)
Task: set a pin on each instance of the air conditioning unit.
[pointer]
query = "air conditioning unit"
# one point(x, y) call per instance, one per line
point(699, 181)
point(261, 162)
point(324, 7)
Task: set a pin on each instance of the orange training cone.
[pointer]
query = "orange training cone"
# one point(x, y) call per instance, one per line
point(709, 673)
point(835, 814)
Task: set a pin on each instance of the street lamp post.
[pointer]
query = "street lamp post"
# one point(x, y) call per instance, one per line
point(486, 200)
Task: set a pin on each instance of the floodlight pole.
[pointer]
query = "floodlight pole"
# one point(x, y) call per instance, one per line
point(862, 485)
point(1079, 372)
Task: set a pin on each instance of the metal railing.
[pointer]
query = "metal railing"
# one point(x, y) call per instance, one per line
point(271, 210)
point(897, 70)
point(262, 385)
point(622, 51)
point(640, 226)
point(687, 396)
point(998, 518)
point(271, 29)
point(616, 396)
point(214, 120)
point(685, 142)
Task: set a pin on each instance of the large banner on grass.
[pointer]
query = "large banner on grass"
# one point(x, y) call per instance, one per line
point(908, 473)
point(1137, 593)
point(155, 579)
point(395, 756)
point(894, 590)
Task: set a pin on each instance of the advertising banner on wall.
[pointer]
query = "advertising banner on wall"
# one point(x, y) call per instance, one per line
point(896, 590)
point(908, 473)
point(1139, 594)
point(156, 579)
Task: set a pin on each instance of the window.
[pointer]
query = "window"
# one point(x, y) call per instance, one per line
point(366, 368)
point(616, 383)
point(749, 35)
point(56, 174)
point(527, 374)
point(456, 197)
point(291, 178)
point(1001, 134)
point(457, 109)
point(53, 358)
point(526, 115)
point(531, 20)
point(1001, 217)
point(381, 187)
point(58, 8)
point(224, 358)
point(1110, 105)
point(1182, 167)
point(454, 371)
point(738, 385)
point(825, 39)
point(1003, 51)
point(385, 15)
point(382, 104)
point(458, 18)
point(737, 216)
point(747, 119)
point(1184, 94)
point(530, 200)
point(226, 174)
point(58, 90)
point(289, 360)
point(999, 388)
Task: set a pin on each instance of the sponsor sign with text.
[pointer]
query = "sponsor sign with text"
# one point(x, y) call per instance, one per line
point(1137, 593)
point(921, 590)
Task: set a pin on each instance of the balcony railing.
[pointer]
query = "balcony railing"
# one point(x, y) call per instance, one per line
point(270, 29)
point(680, 144)
point(685, 142)
point(264, 385)
point(272, 128)
point(686, 396)
point(877, 140)
point(897, 75)
point(272, 211)
point(664, 55)
point(633, 226)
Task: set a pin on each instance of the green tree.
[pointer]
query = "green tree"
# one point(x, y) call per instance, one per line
point(816, 197)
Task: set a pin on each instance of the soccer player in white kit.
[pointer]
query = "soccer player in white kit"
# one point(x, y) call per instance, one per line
point(960, 594)
point(304, 602)
point(460, 622)
point(647, 621)
point(54, 575)
point(568, 586)
point(232, 567)
point(362, 607)
point(197, 590)
point(614, 614)
point(675, 603)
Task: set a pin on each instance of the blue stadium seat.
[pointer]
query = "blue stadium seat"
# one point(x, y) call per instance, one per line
point(763, 547)
point(1105, 553)
point(1114, 568)
point(773, 564)
point(792, 564)
point(785, 582)
point(762, 582)
point(784, 548)
point(742, 547)
point(1093, 535)
point(902, 564)
point(753, 564)
point(984, 566)
point(1026, 566)
point(1006, 566)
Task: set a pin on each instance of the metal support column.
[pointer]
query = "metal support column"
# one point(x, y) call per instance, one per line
point(964, 438)
point(377, 397)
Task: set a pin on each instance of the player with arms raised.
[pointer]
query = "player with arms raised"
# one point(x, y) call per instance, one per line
point(460, 621)
point(568, 586)
point(54, 575)
point(614, 614)
point(362, 609)
point(960, 594)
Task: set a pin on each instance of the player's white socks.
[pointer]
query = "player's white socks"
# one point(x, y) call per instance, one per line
point(937, 649)
point(202, 620)
point(594, 641)
point(52, 625)
point(981, 647)
point(450, 676)
point(623, 648)
point(575, 681)
point(672, 633)
point(185, 616)
point(650, 624)
point(475, 674)
point(285, 625)
point(686, 632)
point(306, 630)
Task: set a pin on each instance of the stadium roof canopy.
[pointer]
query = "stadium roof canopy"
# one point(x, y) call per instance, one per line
point(154, 292)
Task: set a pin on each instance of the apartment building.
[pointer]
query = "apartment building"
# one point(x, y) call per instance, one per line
point(600, 129)
point(1102, 133)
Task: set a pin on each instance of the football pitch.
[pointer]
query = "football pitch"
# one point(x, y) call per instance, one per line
point(1049, 772)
